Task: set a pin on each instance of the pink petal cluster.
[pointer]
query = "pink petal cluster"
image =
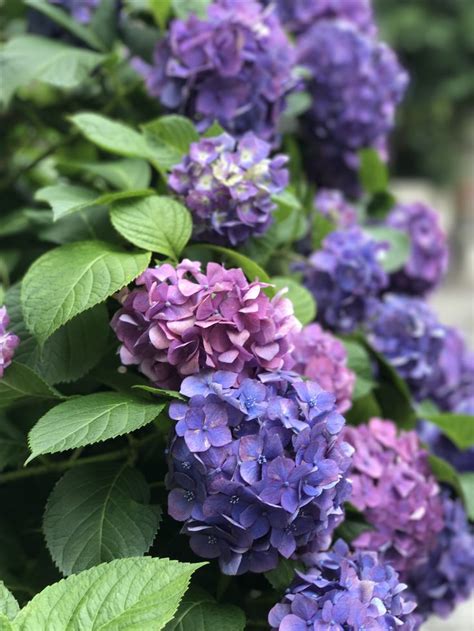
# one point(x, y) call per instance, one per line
point(321, 357)
point(394, 488)
point(177, 321)
point(8, 341)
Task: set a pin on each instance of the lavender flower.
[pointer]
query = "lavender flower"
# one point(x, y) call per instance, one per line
point(428, 260)
point(333, 205)
point(234, 67)
point(448, 576)
point(356, 84)
point(177, 321)
point(81, 10)
point(8, 342)
point(321, 357)
point(257, 468)
point(408, 334)
point(345, 591)
point(228, 184)
point(298, 15)
point(392, 485)
point(345, 277)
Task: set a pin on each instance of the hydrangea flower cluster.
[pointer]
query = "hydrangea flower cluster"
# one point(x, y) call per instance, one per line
point(356, 84)
point(334, 206)
point(298, 15)
point(235, 67)
point(178, 321)
point(408, 334)
point(256, 469)
point(345, 591)
point(346, 277)
point(428, 259)
point(394, 488)
point(321, 357)
point(443, 447)
point(8, 342)
point(80, 10)
point(448, 576)
point(228, 186)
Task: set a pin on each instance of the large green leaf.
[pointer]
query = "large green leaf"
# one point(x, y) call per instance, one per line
point(172, 132)
point(13, 448)
point(99, 513)
point(73, 278)
point(198, 611)
point(111, 136)
point(65, 199)
point(399, 246)
point(458, 427)
point(249, 267)
point(444, 472)
point(467, 485)
point(283, 575)
point(124, 174)
point(360, 363)
point(373, 172)
point(90, 419)
point(157, 223)
point(28, 57)
point(303, 302)
point(20, 383)
point(8, 606)
point(128, 594)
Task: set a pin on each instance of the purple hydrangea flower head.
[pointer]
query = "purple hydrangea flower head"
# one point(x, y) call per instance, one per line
point(257, 468)
point(235, 67)
point(356, 84)
point(81, 10)
point(179, 320)
point(321, 357)
point(8, 342)
point(408, 334)
point(298, 15)
point(428, 260)
point(334, 206)
point(345, 590)
point(448, 576)
point(440, 445)
point(394, 488)
point(228, 186)
point(345, 277)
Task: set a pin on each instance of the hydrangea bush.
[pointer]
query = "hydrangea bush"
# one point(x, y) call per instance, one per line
point(209, 300)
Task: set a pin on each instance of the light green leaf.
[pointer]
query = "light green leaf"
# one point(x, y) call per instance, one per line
point(304, 304)
point(215, 129)
point(175, 132)
point(90, 419)
point(198, 611)
point(128, 594)
point(399, 246)
point(126, 174)
point(73, 278)
point(28, 57)
point(185, 8)
point(161, 10)
point(458, 427)
point(358, 360)
point(373, 172)
point(99, 513)
point(13, 448)
point(161, 392)
point(467, 485)
point(156, 223)
point(111, 136)
point(8, 604)
point(249, 267)
point(90, 223)
point(20, 383)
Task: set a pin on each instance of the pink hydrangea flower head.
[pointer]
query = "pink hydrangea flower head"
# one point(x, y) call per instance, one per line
point(8, 342)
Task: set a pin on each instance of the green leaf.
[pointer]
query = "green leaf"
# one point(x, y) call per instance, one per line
point(126, 174)
point(99, 513)
point(62, 18)
point(185, 8)
point(380, 205)
point(363, 409)
point(129, 594)
point(28, 57)
point(13, 448)
point(303, 302)
point(458, 427)
point(73, 278)
point(156, 223)
point(213, 130)
point(350, 529)
point(321, 226)
point(198, 611)
point(169, 394)
point(90, 223)
point(175, 132)
point(66, 199)
point(358, 360)
point(444, 472)
point(282, 576)
point(13, 223)
point(373, 172)
point(104, 22)
point(161, 10)
point(249, 267)
point(111, 136)
point(90, 419)
point(8, 604)
point(399, 246)
point(467, 485)
point(20, 383)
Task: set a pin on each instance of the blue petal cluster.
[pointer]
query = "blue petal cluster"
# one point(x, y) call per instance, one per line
point(356, 84)
point(228, 186)
point(408, 334)
point(235, 67)
point(448, 576)
point(345, 591)
point(345, 277)
point(256, 469)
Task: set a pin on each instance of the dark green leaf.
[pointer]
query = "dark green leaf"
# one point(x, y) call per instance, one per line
point(303, 302)
point(20, 383)
point(283, 575)
point(360, 363)
point(444, 472)
point(200, 612)
point(458, 427)
point(13, 447)
point(467, 485)
point(249, 267)
point(363, 409)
